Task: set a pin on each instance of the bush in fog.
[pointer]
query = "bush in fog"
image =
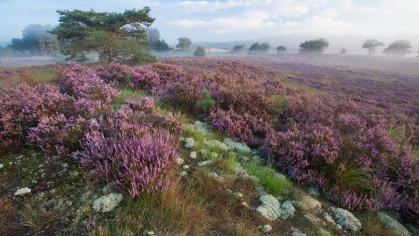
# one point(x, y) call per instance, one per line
point(257, 48)
point(199, 52)
point(281, 49)
point(371, 44)
point(238, 48)
point(398, 48)
point(316, 46)
point(184, 43)
point(343, 51)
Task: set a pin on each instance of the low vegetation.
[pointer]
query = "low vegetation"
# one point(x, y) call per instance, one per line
point(192, 143)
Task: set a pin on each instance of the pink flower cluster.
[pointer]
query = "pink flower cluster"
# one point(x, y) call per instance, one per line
point(92, 93)
point(136, 154)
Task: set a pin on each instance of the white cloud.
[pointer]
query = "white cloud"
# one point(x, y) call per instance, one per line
point(367, 9)
point(411, 6)
point(206, 6)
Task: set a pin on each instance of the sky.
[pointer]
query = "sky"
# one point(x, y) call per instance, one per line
point(228, 20)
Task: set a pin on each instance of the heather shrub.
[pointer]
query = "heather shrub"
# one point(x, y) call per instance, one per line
point(114, 73)
point(21, 109)
point(145, 79)
point(166, 72)
point(93, 94)
point(241, 128)
point(57, 136)
point(346, 152)
point(137, 157)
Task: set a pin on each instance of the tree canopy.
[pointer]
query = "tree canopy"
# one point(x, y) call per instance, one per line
point(184, 43)
point(199, 51)
point(114, 36)
point(238, 48)
point(36, 40)
point(259, 48)
point(314, 46)
point(371, 44)
point(398, 48)
point(343, 51)
point(280, 49)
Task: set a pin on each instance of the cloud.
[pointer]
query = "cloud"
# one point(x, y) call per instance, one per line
point(367, 9)
point(205, 6)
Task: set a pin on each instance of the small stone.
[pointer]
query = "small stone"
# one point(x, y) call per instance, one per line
point(183, 173)
point(346, 219)
point(185, 167)
point(10, 163)
point(192, 155)
point(179, 161)
point(74, 173)
point(22, 191)
point(287, 210)
point(238, 194)
point(270, 208)
point(265, 228)
point(107, 203)
point(189, 142)
point(1, 166)
point(308, 203)
point(204, 163)
point(41, 165)
point(393, 224)
point(150, 233)
point(329, 219)
point(34, 181)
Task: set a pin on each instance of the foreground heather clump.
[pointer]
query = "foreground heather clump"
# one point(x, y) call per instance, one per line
point(131, 152)
point(24, 106)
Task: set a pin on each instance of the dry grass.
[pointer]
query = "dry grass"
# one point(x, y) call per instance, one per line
point(26, 218)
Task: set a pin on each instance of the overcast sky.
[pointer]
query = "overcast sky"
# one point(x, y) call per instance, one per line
point(227, 20)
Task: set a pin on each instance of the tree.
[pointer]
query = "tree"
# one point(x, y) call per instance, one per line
point(398, 48)
point(281, 49)
point(184, 43)
point(257, 48)
point(343, 51)
point(199, 52)
point(238, 48)
point(315, 46)
point(371, 44)
point(114, 36)
point(31, 34)
point(161, 46)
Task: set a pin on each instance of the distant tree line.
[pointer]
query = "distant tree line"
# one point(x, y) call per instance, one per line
point(398, 48)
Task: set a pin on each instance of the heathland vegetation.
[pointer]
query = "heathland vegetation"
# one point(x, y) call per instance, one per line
point(206, 146)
